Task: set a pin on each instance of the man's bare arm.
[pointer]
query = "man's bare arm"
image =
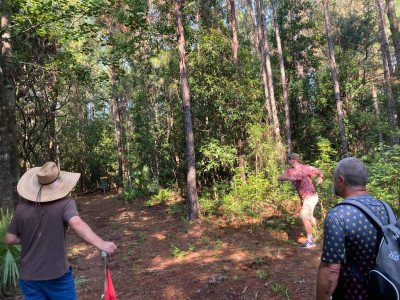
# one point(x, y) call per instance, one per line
point(327, 279)
point(12, 239)
point(285, 177)
point(85, 232)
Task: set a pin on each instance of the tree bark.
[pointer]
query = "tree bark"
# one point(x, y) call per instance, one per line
point(267, 53)
point(117, 123)
point(339, 104)
point(263, 67)
point(283, 79)
point(235, 47)
point(390, 91)
point(394, 28)
point(9, 100)
point(377, 113)
point(192, 200)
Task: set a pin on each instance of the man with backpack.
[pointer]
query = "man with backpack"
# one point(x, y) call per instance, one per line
point(351, 238)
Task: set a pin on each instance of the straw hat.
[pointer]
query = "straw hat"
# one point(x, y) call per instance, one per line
point(46, 183)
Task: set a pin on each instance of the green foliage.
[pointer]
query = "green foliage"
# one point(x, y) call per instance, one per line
point(384, 176)
point(161, 198)
point(280, 289)
point(9, 256)
point(176, 252)
point(241, 200)
point(141, 183)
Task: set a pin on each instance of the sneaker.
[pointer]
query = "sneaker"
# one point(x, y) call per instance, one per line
point(308, 245)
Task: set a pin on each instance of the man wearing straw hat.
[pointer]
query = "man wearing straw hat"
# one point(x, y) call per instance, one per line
point(39, 225)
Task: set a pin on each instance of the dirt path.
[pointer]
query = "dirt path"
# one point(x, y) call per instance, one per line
point(159, 256)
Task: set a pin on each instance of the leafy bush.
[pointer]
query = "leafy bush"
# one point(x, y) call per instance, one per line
point(140, 184)
point(9, 256)
point(160, 198)
point(384, 176)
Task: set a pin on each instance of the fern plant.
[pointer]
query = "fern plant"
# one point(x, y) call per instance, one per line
point(9, 256)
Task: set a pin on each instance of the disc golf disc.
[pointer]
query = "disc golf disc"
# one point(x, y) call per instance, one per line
point(302, 239)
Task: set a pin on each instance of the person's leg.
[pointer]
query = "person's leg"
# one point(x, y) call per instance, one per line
point(313, 222)
point(62, 288)
point(308, 219)
point(307, 226)
point(32, 290)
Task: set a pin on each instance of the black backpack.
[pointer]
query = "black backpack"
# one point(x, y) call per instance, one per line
point(384, 278)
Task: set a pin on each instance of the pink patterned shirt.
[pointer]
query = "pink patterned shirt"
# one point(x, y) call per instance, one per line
point(303, 183)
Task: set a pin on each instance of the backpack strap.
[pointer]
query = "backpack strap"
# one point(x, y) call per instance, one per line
point(392, 217)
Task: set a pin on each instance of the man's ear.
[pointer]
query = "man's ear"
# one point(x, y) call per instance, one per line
point(341, 180)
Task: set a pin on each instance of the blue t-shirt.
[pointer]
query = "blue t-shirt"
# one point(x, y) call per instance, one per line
point(351, 239)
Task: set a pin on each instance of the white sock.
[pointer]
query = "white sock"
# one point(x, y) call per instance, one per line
point(310, 238)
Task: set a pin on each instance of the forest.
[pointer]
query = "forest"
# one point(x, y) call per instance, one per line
point(200, 98)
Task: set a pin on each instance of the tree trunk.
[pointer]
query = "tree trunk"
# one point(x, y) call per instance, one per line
point(377, 113)
point(235, 47)
point(117, 122)
point(261, 51)
point(249, 6)
point(335, 81)
point(283, 79)
point(6, 189)
point(192, 200)
point(394, 28)
point(267, 52)
point(9, 98)
point(390, 91)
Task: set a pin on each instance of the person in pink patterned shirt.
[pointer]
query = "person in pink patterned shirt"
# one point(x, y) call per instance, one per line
point(301, 175)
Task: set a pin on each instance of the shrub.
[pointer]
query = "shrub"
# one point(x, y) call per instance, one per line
point(9, 256)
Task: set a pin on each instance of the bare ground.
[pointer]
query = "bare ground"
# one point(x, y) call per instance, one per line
point(160, 256)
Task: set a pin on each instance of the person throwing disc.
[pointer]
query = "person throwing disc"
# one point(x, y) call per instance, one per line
point(301, 175)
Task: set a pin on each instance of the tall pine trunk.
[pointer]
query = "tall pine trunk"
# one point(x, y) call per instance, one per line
point(117, 123)
point(377, 113)
point(390, 91)
point(394, 28)
point(8, 93)
point(267, 54)
point(263, 65)
point(339, 104)
point(283, 79)
point(235, 47)
point(192, 200)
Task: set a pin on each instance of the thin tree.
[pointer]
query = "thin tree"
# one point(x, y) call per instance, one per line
point(192, 200)
point(283, 78)
point(394, 28)
point(9, 98)
point(339, 104)
point(117, 123)
point(267, 54)
point(260, 41)
point(377, 113)
point(235, 47)
point(390, 91)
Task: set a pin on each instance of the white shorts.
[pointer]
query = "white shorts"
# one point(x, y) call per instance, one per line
point(309, 204)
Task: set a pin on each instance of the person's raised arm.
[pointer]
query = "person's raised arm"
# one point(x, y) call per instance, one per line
point(327, 279)
point(85, 232)
point(284, 177)
point(321, 177)
point(12, 239)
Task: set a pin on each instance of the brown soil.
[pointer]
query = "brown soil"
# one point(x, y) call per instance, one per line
point(160, 256)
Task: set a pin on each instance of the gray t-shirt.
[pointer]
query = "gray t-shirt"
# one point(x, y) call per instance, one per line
point(42, 229)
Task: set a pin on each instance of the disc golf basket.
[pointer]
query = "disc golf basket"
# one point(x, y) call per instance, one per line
point(104, 184)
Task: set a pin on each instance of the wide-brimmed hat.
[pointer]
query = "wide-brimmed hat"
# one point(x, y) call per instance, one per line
point(294, 156)
point(46, 183)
